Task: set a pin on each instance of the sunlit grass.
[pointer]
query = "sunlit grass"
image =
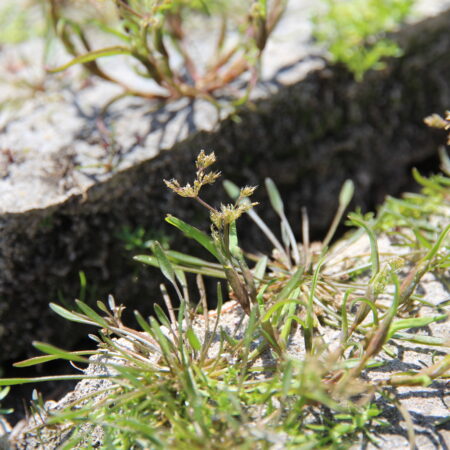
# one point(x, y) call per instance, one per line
point(311, 321)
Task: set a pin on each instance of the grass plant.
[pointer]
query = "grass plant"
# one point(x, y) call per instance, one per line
point(19, 21)
point(160, 40)
point(355, 31)
point(311, 323)
point(157, 36)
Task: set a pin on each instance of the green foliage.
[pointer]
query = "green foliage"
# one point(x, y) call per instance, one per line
point(140, 239)
point(184, 381)
point(19, 21)
point(3, 393)
point(412, 213)
point(354, 31)
point(157, 35)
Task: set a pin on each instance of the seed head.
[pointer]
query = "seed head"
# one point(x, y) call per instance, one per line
point(247, 191)
point(229, 214)
point(204, 161)
point(183, 191)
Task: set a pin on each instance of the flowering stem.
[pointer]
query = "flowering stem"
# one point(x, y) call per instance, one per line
point(206, 205)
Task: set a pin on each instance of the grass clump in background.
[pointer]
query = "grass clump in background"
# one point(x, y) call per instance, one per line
point(162, 43)
point(20, 21)
point(157, 35)
point(158, 38)
point(354, 31)
point(288, 361)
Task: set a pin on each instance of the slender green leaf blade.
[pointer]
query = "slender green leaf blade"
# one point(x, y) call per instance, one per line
point(260, 268)
point(279, 305)
point(98, 320)
point(91, 56)
point(58, 352)
point(194, 233)
point(346, 194)
point(231, 189)
point(142, 322)
point(14, 381)
point(416, 322)
point(193, 340)
point(147, 259)
point(181, 258)
point(43, 359)
point(291, 284)
point(161, 315)
point(164, 264)
point(274, 197)
point(73, 317)
point(234, 243)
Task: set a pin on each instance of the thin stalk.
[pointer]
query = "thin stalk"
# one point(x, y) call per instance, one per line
point(305, 239)
point(309, 321)
point(206, 205)
point(266, 230)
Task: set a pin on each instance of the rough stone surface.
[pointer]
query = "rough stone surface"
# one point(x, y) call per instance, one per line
point(309, 136)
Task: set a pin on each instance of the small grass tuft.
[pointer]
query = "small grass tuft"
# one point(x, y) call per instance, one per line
point(156, 36)
point(289, 361)
point(355, 32)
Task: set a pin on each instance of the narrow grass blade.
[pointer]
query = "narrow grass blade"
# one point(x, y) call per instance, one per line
point(43, 359)
point(298, 320)
point(278, 206)
point(246, 343)
point(274, 197)
point(309, 321)
point(233, 241)
point(260, 268)
point(420, 339)
point(374, 254)
point(102, 307)
point(72, 316)
point(287, 313)
point(432, 253)
point(59, 353)
point(445, 161)
point(415, 322)
point(139, 427)
point(426, 182)
point(207, 269)
point(345, 197)
point(233, 191)
point(380, 336)
point(15, 381)
point(286, 381)
point(293, 283)
point(161, 315)
point(98, 320)
point(182, 258)
point(164, 264)
point(142, 322)
point(279, 305)
point(344, 317)
point(107, 29)
point(83, 284)
point(409, 423)
point(147, 259)
point(194, 341)
point(91, 56)
point(194, 233)
point(167, 348)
